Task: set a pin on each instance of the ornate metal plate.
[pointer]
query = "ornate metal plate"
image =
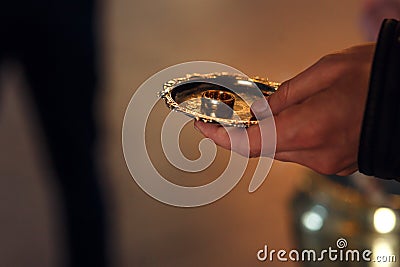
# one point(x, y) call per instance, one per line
point(217, 97)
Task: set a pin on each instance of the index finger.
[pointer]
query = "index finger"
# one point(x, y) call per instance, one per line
point(312, 80)
point(251, 142)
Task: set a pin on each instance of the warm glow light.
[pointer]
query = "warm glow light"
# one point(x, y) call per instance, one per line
point(384, 220)
point(385, 250)
point(313, 219)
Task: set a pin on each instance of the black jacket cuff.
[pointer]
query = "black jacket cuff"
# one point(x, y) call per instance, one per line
point(379, 150)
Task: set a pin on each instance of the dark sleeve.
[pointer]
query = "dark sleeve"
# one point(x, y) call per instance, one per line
point(379, 150)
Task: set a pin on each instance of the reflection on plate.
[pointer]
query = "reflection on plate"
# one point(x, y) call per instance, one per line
point(217, 97)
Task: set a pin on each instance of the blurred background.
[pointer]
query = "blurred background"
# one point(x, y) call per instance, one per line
point(274, 39)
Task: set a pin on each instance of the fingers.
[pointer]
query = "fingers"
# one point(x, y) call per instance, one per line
point(287, 124)
point(215, 132)
point(234, 138)
point(293, 131)
point(260, 109)
point(314, 79)
point(295, 128)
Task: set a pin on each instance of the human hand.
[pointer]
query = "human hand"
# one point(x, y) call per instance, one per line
point(318, 115)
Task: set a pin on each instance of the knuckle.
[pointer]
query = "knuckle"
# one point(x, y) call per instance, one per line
point(283, 93)
point(330, 61)
point(326, 60)
point(336, 63)
point(332, 58)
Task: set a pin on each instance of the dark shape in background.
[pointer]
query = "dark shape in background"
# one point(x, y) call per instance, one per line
point(55, 43)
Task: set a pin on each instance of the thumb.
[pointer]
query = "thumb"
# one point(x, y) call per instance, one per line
point(260, 109)
point(278, 101)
